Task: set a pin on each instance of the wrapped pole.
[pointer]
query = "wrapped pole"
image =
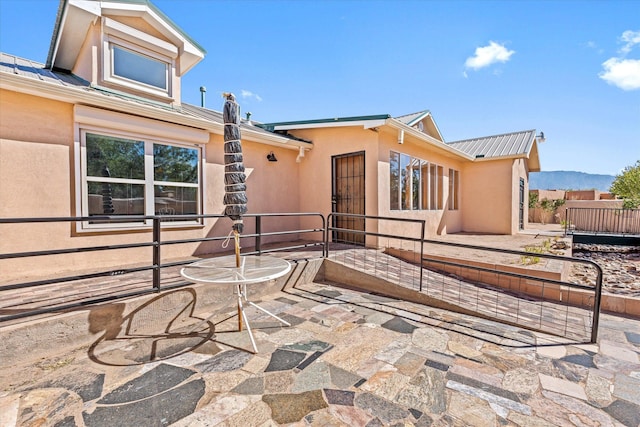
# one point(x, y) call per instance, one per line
point(235, 195)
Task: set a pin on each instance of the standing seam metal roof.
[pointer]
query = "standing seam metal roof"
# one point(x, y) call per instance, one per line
point(410, 119)
point(26, 68)
point(504, 145)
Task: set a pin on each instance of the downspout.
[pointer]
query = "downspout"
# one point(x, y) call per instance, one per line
point(401, 136)
point(300, 155)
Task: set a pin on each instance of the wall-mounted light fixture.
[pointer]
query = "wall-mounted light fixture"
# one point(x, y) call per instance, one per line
point(271, 157)
point(541, 137)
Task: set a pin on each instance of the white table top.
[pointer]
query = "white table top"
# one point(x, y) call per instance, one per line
point(223, 270)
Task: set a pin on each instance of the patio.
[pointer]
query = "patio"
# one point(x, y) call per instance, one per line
point(349, 358)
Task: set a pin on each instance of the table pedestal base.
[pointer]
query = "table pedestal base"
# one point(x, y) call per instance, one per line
point(242, 295)
point(241, 291)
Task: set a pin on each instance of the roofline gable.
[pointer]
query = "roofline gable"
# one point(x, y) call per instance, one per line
point(366, 121)
point(74, 18)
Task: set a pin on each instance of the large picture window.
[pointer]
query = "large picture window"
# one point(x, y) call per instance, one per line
point(124, 176)
point(415, 184)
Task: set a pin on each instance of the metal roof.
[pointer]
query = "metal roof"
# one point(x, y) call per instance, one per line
point(504, 145)
point(413, 118)
point(345, 120)
point(24, 67)
point(28, 69)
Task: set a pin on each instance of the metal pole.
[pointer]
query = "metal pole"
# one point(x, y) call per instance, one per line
point(156, 253)
point(421, 253)
point(259, 235)
point(596, 305)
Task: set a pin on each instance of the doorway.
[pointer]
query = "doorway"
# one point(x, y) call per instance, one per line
point(348, 196)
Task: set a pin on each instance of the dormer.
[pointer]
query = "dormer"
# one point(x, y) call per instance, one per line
point(126, 46)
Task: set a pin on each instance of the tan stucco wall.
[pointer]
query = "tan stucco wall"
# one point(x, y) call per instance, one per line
point(438, 222)
point(37, 179)
point(315, 181)
point(488, 197)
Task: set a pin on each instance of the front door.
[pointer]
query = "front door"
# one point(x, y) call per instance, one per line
point(347, 196)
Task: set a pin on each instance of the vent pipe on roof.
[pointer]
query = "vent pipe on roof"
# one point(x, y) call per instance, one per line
point(248, 114)
point(203, 90)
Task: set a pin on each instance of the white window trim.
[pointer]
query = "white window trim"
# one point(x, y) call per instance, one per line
point(125, 37)
point(94, 120)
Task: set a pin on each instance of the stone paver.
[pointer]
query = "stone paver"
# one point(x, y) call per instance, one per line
point(349, 359)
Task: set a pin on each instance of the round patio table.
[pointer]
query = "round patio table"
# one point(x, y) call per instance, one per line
point(223, 271)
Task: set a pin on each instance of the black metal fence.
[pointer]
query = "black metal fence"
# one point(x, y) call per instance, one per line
point(66, 292)
point(603, 221)
point(507, 294)
point(399, 254)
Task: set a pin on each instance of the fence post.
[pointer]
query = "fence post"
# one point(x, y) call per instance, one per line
point(596, 304)
point(422, 253)
point(156, 253)
point(259, 234)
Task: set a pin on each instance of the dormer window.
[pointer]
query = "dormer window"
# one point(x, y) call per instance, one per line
point(137, 61)
point(139, 68)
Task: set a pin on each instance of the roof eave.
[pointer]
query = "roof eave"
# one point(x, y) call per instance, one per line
point(82, 96)
point(409, 130)
point(534, 164)
point(366, 121)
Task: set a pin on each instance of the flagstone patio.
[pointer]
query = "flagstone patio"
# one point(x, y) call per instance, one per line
point(349, 358)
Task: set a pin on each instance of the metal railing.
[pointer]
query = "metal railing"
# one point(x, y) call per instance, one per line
point(386, 241)
point(603, 220)
point(349, 258)
point(155, 264)
point(505, 295)
point(536, 289)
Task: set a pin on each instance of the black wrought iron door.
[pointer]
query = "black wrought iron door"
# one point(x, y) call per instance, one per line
point(348, 196)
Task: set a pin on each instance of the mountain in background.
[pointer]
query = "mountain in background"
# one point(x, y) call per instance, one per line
point(568, 180)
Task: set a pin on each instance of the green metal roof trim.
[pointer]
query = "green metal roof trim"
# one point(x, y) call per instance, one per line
point(63, 4)
point(272, 126)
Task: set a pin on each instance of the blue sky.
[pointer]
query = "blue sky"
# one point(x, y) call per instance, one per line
point(568, 68)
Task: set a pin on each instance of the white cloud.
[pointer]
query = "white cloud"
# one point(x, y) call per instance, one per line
point(487, 55)
point(248, 94)
point(621, 71)
point(631, 38)
point(624, 73)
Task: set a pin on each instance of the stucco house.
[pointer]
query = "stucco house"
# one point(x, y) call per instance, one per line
point(100, 129)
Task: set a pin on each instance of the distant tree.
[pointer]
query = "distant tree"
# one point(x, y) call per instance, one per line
point(626, 185)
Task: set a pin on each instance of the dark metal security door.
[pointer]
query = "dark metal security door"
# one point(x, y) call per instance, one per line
point(521, 212)
point(348, 196)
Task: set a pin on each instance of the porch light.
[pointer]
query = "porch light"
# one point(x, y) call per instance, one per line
point(540, 137)
point(272, 157)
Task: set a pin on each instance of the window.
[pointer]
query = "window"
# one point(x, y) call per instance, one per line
point(139, 68)
point(125, 176)
point(454, 189)
point(415, 184)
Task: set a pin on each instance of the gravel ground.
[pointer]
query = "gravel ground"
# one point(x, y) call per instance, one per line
point(620, 266)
